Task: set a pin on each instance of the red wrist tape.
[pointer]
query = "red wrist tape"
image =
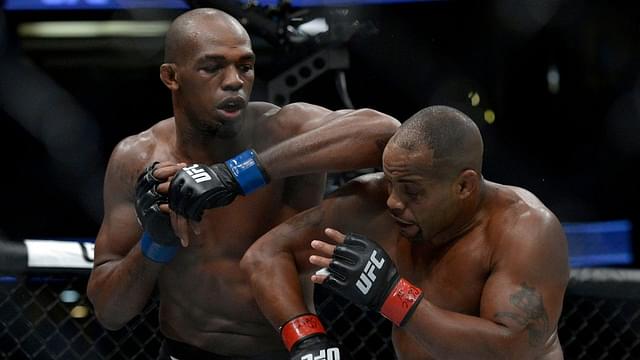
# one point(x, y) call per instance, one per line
point(401, 302)
point(299, 328)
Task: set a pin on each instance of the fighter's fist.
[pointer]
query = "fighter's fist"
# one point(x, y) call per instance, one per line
point(363, 272)
point(159, 243)
point(199, 187)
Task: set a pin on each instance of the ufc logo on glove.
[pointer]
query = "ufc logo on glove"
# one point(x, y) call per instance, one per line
point(328, 354)
point(367, 277)
point(197, 173)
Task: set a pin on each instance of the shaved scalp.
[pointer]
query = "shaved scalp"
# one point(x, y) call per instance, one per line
point(186, 30)
point(452, 137)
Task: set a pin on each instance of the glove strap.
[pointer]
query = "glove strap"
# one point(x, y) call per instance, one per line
point(401, 302)
point(300, 328)
point(154, 251)
point(247, 171)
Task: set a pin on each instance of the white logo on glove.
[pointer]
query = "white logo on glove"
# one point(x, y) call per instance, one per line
point(328, 354)
point(367, 277)
point(197, 173)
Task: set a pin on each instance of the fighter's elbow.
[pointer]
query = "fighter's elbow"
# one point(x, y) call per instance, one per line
point(109, 322)
point(384, 123)
point(252, 259)
point(378, 126)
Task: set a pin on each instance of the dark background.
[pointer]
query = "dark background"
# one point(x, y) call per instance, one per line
point(64, 103)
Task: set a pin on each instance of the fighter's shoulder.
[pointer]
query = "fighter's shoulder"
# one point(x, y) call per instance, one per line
point(525, 218)
point(133, 152)
point(289, 114)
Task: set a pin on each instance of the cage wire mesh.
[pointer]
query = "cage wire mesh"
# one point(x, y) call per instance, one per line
point(36, 322)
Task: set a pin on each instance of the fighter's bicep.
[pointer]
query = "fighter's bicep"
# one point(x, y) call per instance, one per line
point(300, 118)
point(519, 306)
point(119, 230)
point(524, 291)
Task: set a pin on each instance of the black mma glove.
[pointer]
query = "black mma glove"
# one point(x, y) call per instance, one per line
point(159, 243)
point(305, 338)
point(363, 272)
point(199, 187)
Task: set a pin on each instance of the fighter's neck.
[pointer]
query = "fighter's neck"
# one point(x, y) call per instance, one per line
point(472, 215)
point(194, 145)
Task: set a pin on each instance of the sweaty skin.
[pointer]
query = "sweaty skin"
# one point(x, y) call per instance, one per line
point(491, 259)
point(205, 299)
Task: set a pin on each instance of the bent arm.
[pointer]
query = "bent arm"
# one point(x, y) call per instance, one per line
point(520, 305)
point(335, 141)
point(277, 264)
point(277, 261)
point(122, 279)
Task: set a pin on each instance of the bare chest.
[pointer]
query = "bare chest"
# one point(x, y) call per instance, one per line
point(452, 278)
point(228, 232)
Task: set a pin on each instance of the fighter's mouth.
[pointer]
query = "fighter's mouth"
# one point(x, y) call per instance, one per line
point(402, 222)
point(232, 104)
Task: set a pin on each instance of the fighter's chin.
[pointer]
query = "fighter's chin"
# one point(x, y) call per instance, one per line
point(227, 131)
point(411, 232)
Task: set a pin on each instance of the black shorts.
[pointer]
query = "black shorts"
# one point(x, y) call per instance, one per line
point(176, 350)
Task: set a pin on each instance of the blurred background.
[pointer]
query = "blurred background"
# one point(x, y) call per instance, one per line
point(552, 84)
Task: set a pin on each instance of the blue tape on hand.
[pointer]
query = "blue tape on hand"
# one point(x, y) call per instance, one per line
point(247, 171)
point(157, 252)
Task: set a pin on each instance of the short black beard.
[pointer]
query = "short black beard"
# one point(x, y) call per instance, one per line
point(226, 131)
point(210, 129)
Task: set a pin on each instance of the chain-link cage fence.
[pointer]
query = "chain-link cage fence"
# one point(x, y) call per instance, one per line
point(49, 317)
point(41, 318)
point(601, 315)
point(366, 334)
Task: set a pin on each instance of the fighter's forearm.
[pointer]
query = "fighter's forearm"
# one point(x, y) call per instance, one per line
point(276, 286)
point(351, 141)
point(120, 289)
point(451, 335)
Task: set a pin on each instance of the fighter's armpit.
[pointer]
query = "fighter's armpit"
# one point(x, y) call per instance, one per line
point(528, 312)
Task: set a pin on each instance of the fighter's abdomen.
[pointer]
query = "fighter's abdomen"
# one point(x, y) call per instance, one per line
point(205, 297)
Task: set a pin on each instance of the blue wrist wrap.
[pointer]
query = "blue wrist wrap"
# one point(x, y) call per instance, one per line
point(247, 171)
point(157, 252)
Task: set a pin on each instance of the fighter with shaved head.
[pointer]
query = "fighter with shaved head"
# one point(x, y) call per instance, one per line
point(465, 268)
point(237, 168)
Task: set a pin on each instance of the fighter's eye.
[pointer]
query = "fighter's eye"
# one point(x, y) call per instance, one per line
point(211, 69)
point(246, 67)
point(411, 191)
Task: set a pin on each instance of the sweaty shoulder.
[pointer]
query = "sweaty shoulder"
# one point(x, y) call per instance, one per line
point(142, 146)
point(133, 153)
point(289, 118)
point(519, 218)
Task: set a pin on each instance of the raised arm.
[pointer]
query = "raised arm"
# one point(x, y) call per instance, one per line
point(122, 279)
point(316, 141)
point(277, 264)
point(328, 141)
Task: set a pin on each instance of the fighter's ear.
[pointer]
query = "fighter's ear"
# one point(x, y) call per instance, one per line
point(169, 75)
point(467, 184)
